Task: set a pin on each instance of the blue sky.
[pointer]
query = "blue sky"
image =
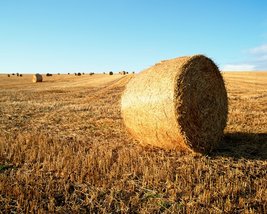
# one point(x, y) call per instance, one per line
point(96, 36)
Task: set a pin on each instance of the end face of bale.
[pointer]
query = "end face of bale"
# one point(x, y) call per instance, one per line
point(201, 104)
point(177, 104)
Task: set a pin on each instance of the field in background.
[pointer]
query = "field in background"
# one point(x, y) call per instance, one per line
point(64, 148)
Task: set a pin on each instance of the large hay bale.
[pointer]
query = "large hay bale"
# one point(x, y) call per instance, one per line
point(37, 78)
point(177, 104)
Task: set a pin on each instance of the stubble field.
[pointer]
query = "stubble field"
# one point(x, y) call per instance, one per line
point(64, 149)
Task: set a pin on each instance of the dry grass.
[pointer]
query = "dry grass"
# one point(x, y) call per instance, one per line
point(64, 148)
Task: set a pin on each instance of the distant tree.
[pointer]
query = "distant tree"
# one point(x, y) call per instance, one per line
point(110, 73)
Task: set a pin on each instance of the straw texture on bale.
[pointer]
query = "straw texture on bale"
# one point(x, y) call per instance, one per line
point(37, 78)
point(177, 104)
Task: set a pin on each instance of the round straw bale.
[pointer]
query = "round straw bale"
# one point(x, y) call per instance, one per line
point(177, 104)
point(37, 78)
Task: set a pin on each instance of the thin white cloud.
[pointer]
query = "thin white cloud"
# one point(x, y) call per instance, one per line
point(256, 60)
point(258, 56)
point(261, 58)
point(238, 67)
point(260, 50)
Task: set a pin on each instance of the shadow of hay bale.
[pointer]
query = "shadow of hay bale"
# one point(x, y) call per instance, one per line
point(243, 145)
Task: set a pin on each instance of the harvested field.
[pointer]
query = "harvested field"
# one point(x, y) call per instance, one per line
point(64, 148)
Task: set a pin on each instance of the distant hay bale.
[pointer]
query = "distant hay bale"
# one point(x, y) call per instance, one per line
point(49, 75)
point(123, 72)
point(91, 73)
point(13, 74)
point(20, 75)
point(79, 74)
point(37, 78)
point(177, 104)
point(110, 73)
point(68, 73)
point(8, 75)
point(17, 74)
